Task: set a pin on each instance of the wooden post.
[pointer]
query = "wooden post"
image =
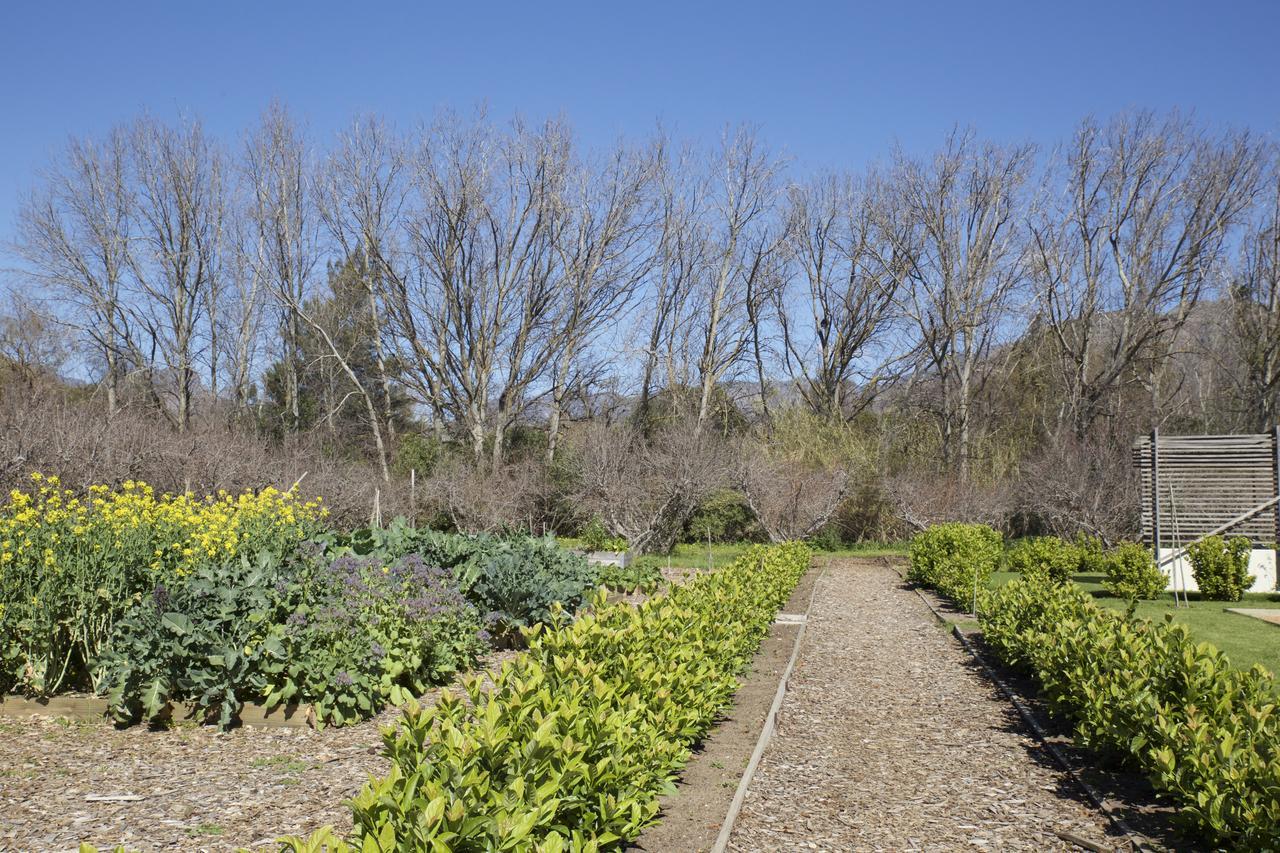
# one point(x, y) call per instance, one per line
point(1275, 441)
point(1155, 495)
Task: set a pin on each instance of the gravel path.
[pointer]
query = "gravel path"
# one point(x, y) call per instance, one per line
point(889, 739)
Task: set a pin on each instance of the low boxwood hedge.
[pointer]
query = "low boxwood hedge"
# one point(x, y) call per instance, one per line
point(955, 559)
point(1204, 732)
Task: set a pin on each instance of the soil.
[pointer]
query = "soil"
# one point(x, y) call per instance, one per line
point(188, 787)
point(692, 816)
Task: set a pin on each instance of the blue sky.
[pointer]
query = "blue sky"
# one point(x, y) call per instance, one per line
point(832, 84)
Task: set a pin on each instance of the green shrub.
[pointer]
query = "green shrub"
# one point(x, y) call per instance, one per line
point(200, 639)
point(595, 537)
point(954, 557)
point(826, 539)
point(637, 576)
point(573, 742)
point(725, 517)
point(1092, 553)
point(514, 579)
point(1131, 573)
point(519, 581)
point(1221, 567)
point(370, 634)
point(348, 637)
point(1047, 555)
point(1203, 732)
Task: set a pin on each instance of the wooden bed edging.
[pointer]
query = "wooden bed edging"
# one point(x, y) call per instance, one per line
point(96, 708)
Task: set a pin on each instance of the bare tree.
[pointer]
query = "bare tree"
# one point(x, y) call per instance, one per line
point(837, 330)
point(32, 343)
point(1139, 215)
point(176, 256)
point(278, 178)
point(283, 210)
point(741, 240)
point(604, 258)
point(242, 306)
point(1255, 314)
point(678, 257)
point(361, 193)
point(952, 224)
point(472, 315)
point(74, 236)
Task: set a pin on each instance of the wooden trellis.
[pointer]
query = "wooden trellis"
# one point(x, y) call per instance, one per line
point(1197, 485)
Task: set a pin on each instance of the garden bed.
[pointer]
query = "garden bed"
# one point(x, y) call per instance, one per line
point(90, 708)
point(185, 787)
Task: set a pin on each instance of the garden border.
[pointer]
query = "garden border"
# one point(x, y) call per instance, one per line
point(770, 720)
point(97, 708)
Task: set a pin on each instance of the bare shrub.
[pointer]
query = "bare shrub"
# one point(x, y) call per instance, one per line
point(796, 471)
point(645, 488)
point(51, 431)
point(481, 498)
point(1075, 485)
point(791, 501)
point(921, 497)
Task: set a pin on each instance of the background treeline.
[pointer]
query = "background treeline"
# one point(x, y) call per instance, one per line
point(491, 326)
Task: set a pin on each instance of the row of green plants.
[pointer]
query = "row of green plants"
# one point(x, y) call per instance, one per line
point(153, 600)
point(572, 743)
point(1205, 733)
point(1219, 565)
point(73, 563)
point(957, 559)
point(348, 623)
point(1128, 570)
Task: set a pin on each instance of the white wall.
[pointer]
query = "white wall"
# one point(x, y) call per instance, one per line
point(1262, 565)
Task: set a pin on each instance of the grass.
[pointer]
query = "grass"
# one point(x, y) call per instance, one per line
point(695, 556)
point(1244, 640)
point(283, 763)
point(205, 829)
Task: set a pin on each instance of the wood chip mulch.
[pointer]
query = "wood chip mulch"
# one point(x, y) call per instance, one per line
point(188, 787)
point(890, 739)
point(184, 788)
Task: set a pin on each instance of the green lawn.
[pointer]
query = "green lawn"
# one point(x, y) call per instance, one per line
point(691, 556)
point(1245, 641)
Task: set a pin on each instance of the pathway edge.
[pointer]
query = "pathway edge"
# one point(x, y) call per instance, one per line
point(766, 731)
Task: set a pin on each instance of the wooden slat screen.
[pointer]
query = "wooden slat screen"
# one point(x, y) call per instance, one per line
point(1213, 479)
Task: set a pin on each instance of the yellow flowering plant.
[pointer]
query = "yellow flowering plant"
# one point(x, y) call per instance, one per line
point(71, 563)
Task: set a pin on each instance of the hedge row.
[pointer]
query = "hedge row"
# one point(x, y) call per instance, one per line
point(571, 745)
point(955, 559)
point(1203, 732)
point(951, 557)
